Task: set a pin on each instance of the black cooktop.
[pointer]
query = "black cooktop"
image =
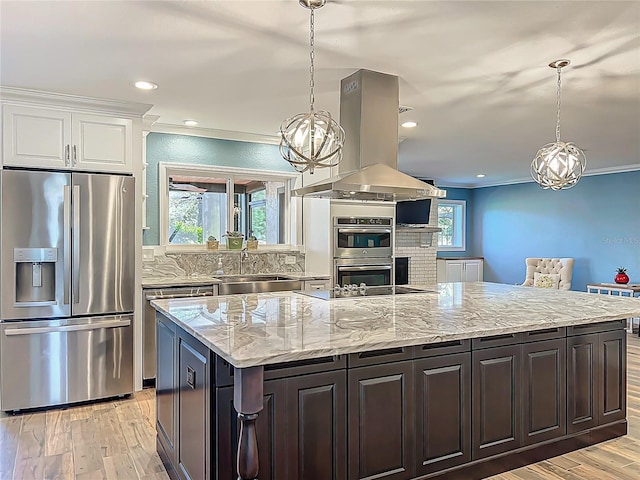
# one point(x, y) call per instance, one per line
point(362, 292)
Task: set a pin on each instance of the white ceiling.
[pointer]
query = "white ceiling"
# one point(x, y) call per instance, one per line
point(475, 71)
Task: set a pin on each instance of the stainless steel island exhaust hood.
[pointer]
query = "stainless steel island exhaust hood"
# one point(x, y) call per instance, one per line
point(369, 104)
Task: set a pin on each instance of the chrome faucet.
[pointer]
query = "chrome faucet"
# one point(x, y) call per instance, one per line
point(244, 255)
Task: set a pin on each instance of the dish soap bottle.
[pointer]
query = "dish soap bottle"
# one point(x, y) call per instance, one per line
point(220, 271)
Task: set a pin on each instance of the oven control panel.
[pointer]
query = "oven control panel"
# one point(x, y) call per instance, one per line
point(364, 221)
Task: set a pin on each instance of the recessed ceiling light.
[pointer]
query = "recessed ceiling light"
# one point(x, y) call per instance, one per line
point(480, 175)
point(190, 123)
point(409, 124)
point(142, 85)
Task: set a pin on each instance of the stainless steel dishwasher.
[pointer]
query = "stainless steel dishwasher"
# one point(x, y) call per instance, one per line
point(149, 322)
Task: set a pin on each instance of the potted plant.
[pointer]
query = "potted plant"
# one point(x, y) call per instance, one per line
point(621, 276)
point(252, 242)
point(212, 243)
point(234, 240)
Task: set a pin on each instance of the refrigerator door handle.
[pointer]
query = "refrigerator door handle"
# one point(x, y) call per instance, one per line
point(66, 243)
point(67, 328)
point(76, 244)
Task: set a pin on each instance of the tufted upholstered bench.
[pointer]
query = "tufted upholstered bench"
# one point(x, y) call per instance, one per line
point(560, 266)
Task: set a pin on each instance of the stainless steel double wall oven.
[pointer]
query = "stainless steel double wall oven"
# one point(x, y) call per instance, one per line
point(363, 250)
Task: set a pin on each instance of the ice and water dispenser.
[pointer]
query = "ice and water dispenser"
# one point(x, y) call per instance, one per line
point(35, 276)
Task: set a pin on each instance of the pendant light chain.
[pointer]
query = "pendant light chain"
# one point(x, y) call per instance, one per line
point(558, 107)
point(311, 57)
point(313, 139)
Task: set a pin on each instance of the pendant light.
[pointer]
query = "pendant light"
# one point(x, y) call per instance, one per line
point(558, 165)
point(311, 140)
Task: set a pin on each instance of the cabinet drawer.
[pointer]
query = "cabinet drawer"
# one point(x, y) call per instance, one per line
point(496, 341)
point(441, 348)
point(375, 357)
point(544, 334)
point(596, 327)
point(224, 370)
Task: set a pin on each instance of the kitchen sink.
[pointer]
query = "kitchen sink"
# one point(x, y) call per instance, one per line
point(256, 284)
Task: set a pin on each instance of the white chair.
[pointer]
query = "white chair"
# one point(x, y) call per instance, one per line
point(563, 267)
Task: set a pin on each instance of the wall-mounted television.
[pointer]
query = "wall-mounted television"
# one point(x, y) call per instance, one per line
point(413, 212)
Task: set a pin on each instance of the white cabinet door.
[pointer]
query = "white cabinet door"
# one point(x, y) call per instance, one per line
point(473, 270)
point(454, 271)
point(36, 137)
point(459, 270)
point(102, 143)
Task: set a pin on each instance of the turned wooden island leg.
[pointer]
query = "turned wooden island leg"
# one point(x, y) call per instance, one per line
point(247, 400)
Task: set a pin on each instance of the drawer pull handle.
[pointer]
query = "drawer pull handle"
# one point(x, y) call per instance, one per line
point(451, 343)
point(498, 337)
point(546, 330)
point(379, 353)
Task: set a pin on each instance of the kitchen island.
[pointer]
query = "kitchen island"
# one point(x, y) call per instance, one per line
point(472, 377)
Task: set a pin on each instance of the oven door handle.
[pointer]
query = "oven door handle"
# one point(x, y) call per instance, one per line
point(361, 268)
point(364, 230)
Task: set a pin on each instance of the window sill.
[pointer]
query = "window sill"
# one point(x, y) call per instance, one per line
point(450, 249)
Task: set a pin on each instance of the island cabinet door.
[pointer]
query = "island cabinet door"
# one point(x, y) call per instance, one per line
point(317, 426)
point(544, 390)
point(166, 397)
point(612, 402)
point(270, 429)
point(193, 454)
point(496, 400)
point(381, 422)
point(443, 412)
point(582, 382)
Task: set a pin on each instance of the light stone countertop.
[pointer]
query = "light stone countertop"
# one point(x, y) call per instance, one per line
point(267, 328)
point(159, 281)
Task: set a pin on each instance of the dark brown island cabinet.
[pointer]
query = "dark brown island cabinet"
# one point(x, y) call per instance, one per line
point(457, 409)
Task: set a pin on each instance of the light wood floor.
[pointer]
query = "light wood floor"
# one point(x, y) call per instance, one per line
point(105, 440)
point(115, 440)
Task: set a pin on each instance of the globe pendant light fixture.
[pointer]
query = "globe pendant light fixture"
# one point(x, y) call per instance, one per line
point(311, 140)
point(558, 165)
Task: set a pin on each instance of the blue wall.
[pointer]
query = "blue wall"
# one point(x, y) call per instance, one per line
point(597, 222)
point(162, 147)
point(465, 194)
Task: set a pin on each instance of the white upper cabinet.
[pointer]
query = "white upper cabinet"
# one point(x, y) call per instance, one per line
point(49, 138)
point(36, 137)
point(101, 143)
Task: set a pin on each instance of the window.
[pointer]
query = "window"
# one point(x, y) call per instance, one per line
point(199, 201)
point(451, 219)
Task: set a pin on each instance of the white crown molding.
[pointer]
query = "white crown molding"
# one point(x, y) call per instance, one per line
point(214, 133)
point(148, 121)
point(589, 173)
point(89, 104)
point(619, 169)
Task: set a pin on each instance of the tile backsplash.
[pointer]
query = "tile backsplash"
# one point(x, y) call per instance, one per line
point(422, 259)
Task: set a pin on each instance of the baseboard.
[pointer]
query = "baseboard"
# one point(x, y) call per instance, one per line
point(521, 457)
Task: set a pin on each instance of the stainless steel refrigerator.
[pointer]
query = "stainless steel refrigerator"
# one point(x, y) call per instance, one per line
point(67, 286)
